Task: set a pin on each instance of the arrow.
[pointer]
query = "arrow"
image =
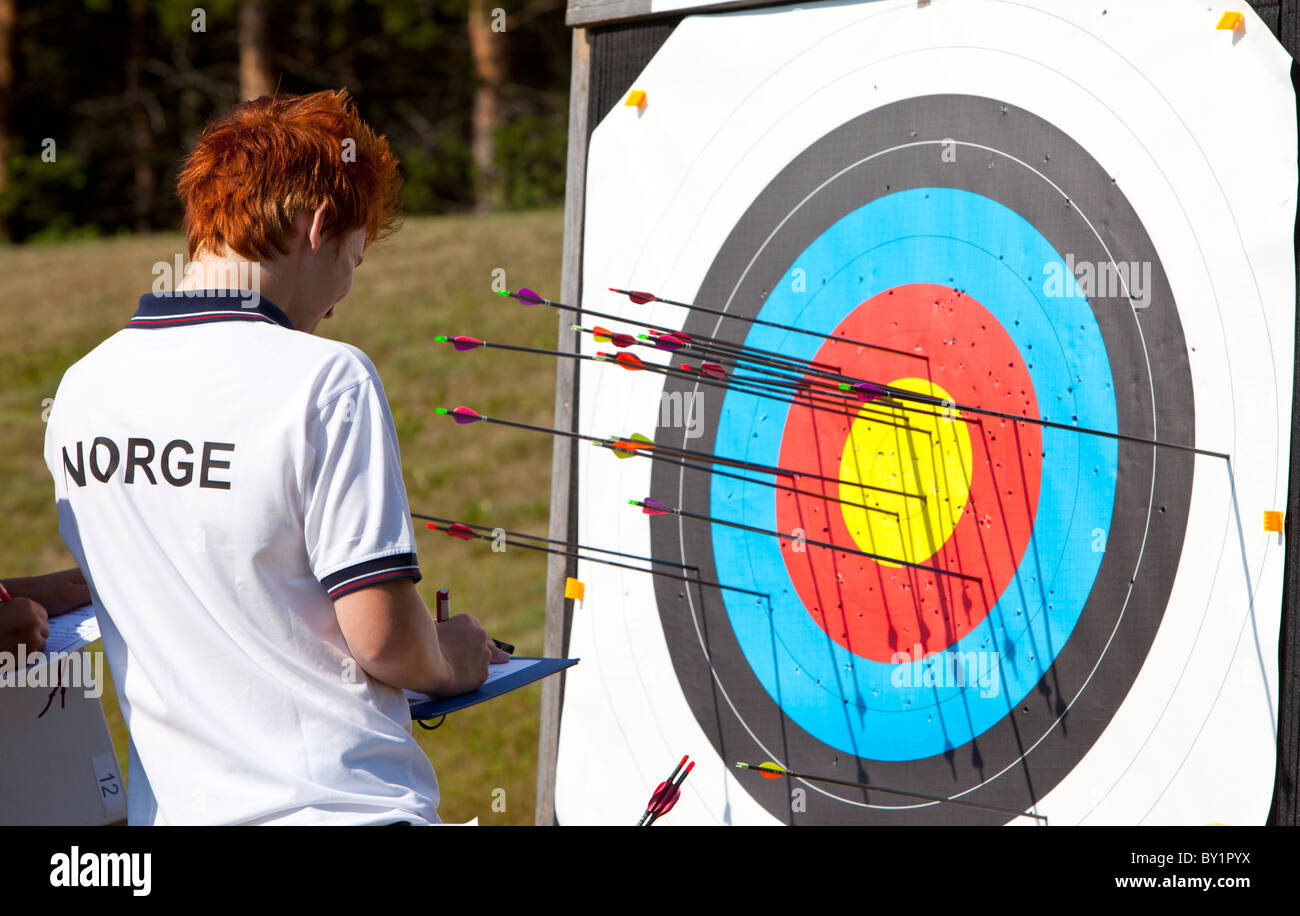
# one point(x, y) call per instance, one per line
point(625, 448)
point(650, 506)
point(904, 395)
point(602, 335)
point(676, 341)
point(532, 298)
point(666, 794)
point(709, 373)
point(528, 297)
point(644, 446)
point(631, 362)
point(467, 532)
point(462, 343)
point(869, 391)
point(757, 387)
point(773, 771)
point(641, 298)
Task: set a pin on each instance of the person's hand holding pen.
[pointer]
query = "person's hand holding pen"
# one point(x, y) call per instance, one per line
point(23, 622)
point(27, 604)
point(442, 613)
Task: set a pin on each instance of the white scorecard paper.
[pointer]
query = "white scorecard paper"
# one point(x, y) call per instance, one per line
point(73, 630)
point(495, 673)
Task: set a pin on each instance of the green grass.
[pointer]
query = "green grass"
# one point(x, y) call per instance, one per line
point(433, 277)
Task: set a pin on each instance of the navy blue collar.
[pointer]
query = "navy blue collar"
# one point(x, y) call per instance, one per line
point(203, 306)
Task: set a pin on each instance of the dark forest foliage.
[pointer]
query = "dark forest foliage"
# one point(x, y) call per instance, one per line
point(118, 89)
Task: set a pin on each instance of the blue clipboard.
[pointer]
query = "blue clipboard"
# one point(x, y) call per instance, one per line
point(428, 708)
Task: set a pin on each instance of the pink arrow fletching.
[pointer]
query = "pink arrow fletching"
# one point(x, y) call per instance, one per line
point(867, 391)
point(465, 415)
point(669, 342)
point(465, 343)
point(650, 506)
point(528, 297)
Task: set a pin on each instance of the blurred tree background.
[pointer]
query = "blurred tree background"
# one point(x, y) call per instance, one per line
point(100, 99)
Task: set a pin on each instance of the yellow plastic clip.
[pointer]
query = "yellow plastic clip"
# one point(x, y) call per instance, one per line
point(574, 589)
point(1230, 22)
point(1273, 521)
point(636, 98)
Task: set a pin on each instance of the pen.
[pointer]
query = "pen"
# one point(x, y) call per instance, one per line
point(444, 613)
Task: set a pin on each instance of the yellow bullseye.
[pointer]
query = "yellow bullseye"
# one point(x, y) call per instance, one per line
point(906, 454)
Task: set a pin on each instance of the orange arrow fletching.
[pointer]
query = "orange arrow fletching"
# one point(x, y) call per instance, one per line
point(605, 335)
point(626, 448)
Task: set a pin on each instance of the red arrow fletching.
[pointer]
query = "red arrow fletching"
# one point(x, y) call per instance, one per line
point(638, 297)
point(667, 801)
point(460, 530)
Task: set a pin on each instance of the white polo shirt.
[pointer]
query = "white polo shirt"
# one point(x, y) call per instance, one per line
point(220, 478)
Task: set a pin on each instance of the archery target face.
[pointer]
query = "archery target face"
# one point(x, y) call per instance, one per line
point(988, 259)
point(916, 675)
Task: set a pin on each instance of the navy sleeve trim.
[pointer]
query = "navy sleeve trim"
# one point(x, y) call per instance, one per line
point(371, 572)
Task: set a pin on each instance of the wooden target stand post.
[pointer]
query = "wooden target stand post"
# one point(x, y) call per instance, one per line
point(613, 42)
point(57, 763)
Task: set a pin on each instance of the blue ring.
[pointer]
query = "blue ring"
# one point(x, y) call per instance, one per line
point(960, 239)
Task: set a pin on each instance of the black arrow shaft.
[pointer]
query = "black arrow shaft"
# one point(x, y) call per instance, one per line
point(654, 572)
point(711, 341)
point(782, 327)
point(650, 448)
point(823, 544)
point(763, 483)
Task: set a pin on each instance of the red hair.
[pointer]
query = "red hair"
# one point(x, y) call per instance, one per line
point(255, 170)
